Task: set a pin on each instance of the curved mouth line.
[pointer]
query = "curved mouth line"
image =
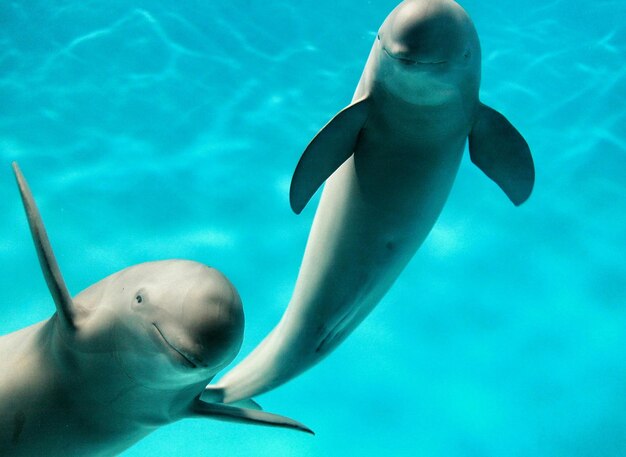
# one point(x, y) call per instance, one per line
point(411, 61)
point(178, 351)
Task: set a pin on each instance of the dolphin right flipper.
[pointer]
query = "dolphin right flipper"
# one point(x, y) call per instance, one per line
point(230, 413)
point(499, 150)
point(331, 147)
point(247, 403)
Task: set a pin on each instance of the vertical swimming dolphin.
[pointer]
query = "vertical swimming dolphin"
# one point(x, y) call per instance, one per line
point(389, 160)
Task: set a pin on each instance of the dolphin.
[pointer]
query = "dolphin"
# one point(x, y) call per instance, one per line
point(389, 160)
point(125, 356)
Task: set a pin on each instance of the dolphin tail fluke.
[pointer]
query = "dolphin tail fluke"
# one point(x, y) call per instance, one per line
point(499, 150)
point(232, 413)
point(215, 394)
point(282, 355)
point(49, 266)
point(331, 147)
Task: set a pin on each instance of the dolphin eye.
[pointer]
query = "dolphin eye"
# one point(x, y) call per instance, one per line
point(138, 298)
point(468, 54)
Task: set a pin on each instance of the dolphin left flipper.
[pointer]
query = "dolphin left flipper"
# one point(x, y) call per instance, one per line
point(220, 411)
point(52, 273)
point(501, 152)
point(331, 147)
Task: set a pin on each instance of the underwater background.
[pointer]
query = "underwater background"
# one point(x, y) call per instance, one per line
point(163, 129)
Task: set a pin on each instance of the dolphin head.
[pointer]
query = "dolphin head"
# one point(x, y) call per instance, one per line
point(168, 323)
point(427, 47)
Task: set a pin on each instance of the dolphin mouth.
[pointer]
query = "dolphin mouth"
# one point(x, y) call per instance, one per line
point(187, 359)
point(408, 61)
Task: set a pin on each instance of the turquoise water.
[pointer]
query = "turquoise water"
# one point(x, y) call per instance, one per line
point(153, 130)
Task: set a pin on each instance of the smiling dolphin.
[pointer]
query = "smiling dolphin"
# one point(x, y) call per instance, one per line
point(127, 355)
point(390, 159)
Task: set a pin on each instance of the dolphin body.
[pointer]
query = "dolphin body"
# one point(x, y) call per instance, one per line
point(127, 355)
point(389, 160)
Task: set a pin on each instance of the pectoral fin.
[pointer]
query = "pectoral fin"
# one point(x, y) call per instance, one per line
point(331, 147)
point(248, 403)
point(229, 413)
point(499, 150)
point(49, 266)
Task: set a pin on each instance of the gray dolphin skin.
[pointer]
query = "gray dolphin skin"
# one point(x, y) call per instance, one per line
point(389, 160)
point(127, 355)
